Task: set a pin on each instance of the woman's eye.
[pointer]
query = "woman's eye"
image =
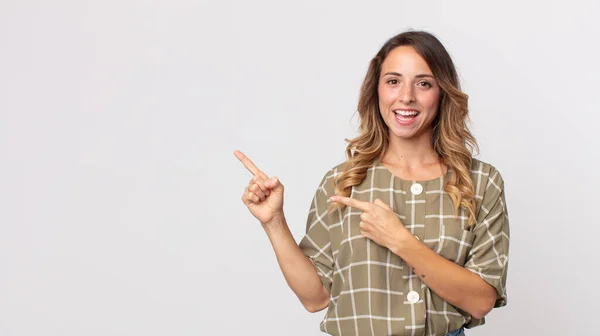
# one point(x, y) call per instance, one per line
point(392, 81)
point(427, 84)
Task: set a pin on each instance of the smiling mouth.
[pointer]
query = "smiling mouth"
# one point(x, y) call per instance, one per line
point(406, 114)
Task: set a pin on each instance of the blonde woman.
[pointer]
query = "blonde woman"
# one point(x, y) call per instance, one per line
point(410, 235)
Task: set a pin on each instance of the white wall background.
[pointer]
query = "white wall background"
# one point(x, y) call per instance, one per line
point(120, 209)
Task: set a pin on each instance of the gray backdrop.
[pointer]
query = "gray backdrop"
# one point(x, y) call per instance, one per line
point(120, 210)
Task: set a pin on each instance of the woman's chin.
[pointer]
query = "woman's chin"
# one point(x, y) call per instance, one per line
point(407, 133)
point(403, 134)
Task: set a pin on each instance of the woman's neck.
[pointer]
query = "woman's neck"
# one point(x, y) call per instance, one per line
point(409, 154)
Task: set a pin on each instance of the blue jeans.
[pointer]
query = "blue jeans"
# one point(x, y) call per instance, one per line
point(459, 332)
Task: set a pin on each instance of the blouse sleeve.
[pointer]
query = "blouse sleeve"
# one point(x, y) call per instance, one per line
point(488, 257)
point(316, 244)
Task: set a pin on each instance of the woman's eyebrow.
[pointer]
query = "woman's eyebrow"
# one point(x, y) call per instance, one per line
point(417, 76)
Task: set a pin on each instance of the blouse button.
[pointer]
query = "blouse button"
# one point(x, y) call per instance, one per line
point(416, 189)
point(412, 297)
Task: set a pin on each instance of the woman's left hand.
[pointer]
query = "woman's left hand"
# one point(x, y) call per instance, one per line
point(378, 222)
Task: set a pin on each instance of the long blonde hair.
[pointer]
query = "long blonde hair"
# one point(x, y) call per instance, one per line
point(451, 140)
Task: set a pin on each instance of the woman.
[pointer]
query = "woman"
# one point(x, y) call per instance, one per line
point(410, 235)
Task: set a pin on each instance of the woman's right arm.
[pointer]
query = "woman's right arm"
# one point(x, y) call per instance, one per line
point(264, 198)
point(300, 274)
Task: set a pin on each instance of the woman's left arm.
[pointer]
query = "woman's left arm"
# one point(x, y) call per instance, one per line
point(475, 288)
point(451, 282)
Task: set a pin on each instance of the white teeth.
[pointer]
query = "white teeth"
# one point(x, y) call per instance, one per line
point(406, 113)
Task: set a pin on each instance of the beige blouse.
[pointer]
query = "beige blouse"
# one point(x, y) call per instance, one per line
point(372, 290)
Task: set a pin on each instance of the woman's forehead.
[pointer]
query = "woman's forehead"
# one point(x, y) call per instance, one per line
point(405, 60)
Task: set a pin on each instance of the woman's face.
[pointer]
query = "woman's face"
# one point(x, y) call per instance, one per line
point(408, 94)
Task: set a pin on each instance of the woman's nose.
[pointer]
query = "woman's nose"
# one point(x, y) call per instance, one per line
point(406, 94)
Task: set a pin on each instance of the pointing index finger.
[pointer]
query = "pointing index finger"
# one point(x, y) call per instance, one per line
point(364, 206)
point(249, 164)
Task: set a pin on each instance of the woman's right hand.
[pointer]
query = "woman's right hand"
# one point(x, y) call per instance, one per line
point(263, 196)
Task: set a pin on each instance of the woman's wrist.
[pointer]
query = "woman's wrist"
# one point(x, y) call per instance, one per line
point(275, 224)
point(404, 243)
